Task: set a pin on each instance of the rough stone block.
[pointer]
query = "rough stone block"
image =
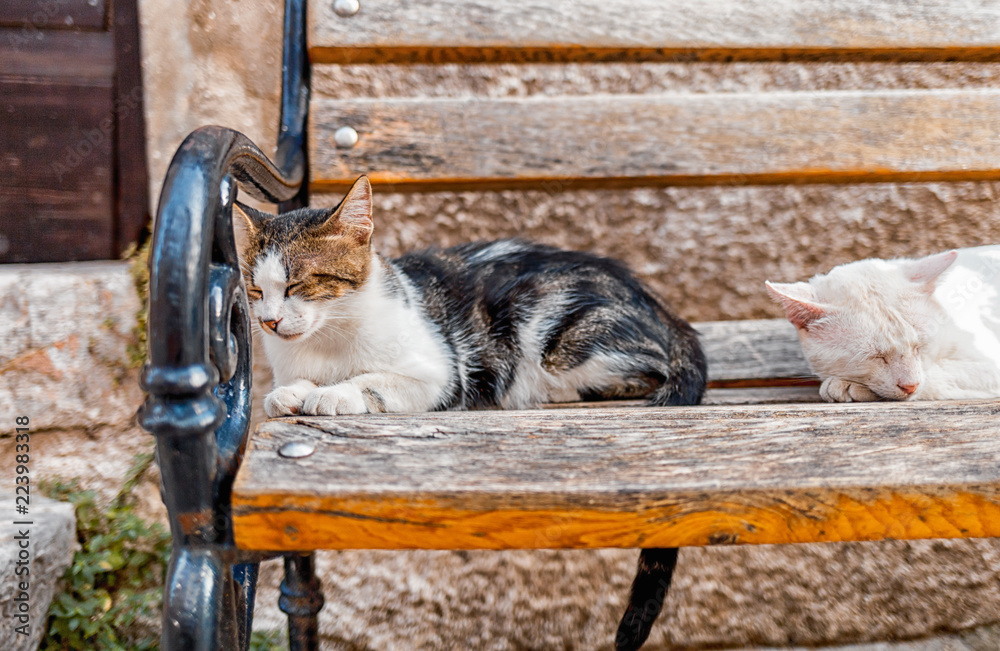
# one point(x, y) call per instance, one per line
point(51, 543)
point(63, 348)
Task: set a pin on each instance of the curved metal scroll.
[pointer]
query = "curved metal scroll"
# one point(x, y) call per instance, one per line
point(198, 378)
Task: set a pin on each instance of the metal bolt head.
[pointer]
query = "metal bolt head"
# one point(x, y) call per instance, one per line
point(345, 137)
point(345, 8)
point(296, 449)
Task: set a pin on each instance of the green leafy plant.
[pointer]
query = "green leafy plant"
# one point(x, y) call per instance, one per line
point(113, 588)
point(267, 641)
point(139, 268)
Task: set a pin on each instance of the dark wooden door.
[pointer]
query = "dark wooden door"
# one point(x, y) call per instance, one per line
point(73, 182)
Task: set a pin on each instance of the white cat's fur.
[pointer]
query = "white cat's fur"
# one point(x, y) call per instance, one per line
point(924, 329)
point(321, 362)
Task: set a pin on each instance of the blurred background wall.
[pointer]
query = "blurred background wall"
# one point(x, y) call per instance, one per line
point(706, 250)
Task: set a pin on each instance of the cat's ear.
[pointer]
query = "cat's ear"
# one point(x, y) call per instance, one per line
point(250, 219)
point(926, 271)
point(354, 214)
point(799, 302)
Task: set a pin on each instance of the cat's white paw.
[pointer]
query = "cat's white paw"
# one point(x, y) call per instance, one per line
point(342, 398)
point(286, 400)
point(834, 389)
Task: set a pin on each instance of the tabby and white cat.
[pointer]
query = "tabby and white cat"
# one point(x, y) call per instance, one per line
point(904, 329)
point(507, 323)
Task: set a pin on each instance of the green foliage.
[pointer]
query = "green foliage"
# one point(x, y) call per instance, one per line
point(267, 641)
point(112, 593)
point(140, 278)
point(113, 588)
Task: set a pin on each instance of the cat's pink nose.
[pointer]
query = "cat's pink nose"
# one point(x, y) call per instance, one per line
point(908, 389)
point(271, 325)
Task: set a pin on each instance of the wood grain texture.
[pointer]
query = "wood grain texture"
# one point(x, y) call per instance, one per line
point(656, 30)
point(56, 139)
point(764, 349)
point(38, 15)
point(781, 395)
point(56, 172)
point(609, 141)
point(621, 477)
point(767, 395)
point(80, 57)
point(131, 175)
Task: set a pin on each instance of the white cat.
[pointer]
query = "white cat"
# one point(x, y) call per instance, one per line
point(924, 329)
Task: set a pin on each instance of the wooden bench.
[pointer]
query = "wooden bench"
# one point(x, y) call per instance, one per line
point(760, 462)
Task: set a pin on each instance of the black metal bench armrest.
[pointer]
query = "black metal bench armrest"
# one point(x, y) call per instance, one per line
point(199, 373)
point(198, 376)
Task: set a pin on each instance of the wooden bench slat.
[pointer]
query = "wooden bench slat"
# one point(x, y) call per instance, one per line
point(741, 351)
point(619, 477)
point(655, 30)
point(760, 395)
point(611, 141)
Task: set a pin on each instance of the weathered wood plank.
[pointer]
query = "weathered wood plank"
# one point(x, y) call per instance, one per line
point(608, 141)
point(779, 395)
point(655, 30)
point(56, 171)
point(752, 350)
point(33, 16)
point(624, 477)
point(762, 395)
point(131, 174)
point(79, 57)
point(56, 133)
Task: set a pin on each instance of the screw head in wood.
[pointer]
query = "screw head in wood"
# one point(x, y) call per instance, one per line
point(345, 137)
point(345, 8)
point(296, 449)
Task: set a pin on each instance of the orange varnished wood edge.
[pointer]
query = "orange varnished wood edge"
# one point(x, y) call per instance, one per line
point(765, 383)
point(325, 54)
point(296, 523)
point(391, 182)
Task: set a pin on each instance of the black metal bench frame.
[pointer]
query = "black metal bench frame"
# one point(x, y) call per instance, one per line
point(198, 378)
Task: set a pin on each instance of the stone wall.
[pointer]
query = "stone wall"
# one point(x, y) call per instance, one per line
point(707, 250)
point(65, 364)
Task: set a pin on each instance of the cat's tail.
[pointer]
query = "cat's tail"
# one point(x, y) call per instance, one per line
point(681, 366)
point(685, 387)
point(684, 381)
point(652, 580)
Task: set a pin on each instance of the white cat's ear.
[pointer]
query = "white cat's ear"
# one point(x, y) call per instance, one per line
point(799, 302)
point(927, 270)
point(354, 214)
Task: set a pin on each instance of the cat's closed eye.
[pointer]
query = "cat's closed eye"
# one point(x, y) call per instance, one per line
point(882, 357)
point(334, 278)
point(254, 293)
point(291, 288)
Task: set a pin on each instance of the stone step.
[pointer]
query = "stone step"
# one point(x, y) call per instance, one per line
point(51, 542)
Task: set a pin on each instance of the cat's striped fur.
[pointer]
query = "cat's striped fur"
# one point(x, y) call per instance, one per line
point(489, 324)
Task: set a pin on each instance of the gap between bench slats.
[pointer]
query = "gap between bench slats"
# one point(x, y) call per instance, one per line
point(468, 31)
point(558, 143)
